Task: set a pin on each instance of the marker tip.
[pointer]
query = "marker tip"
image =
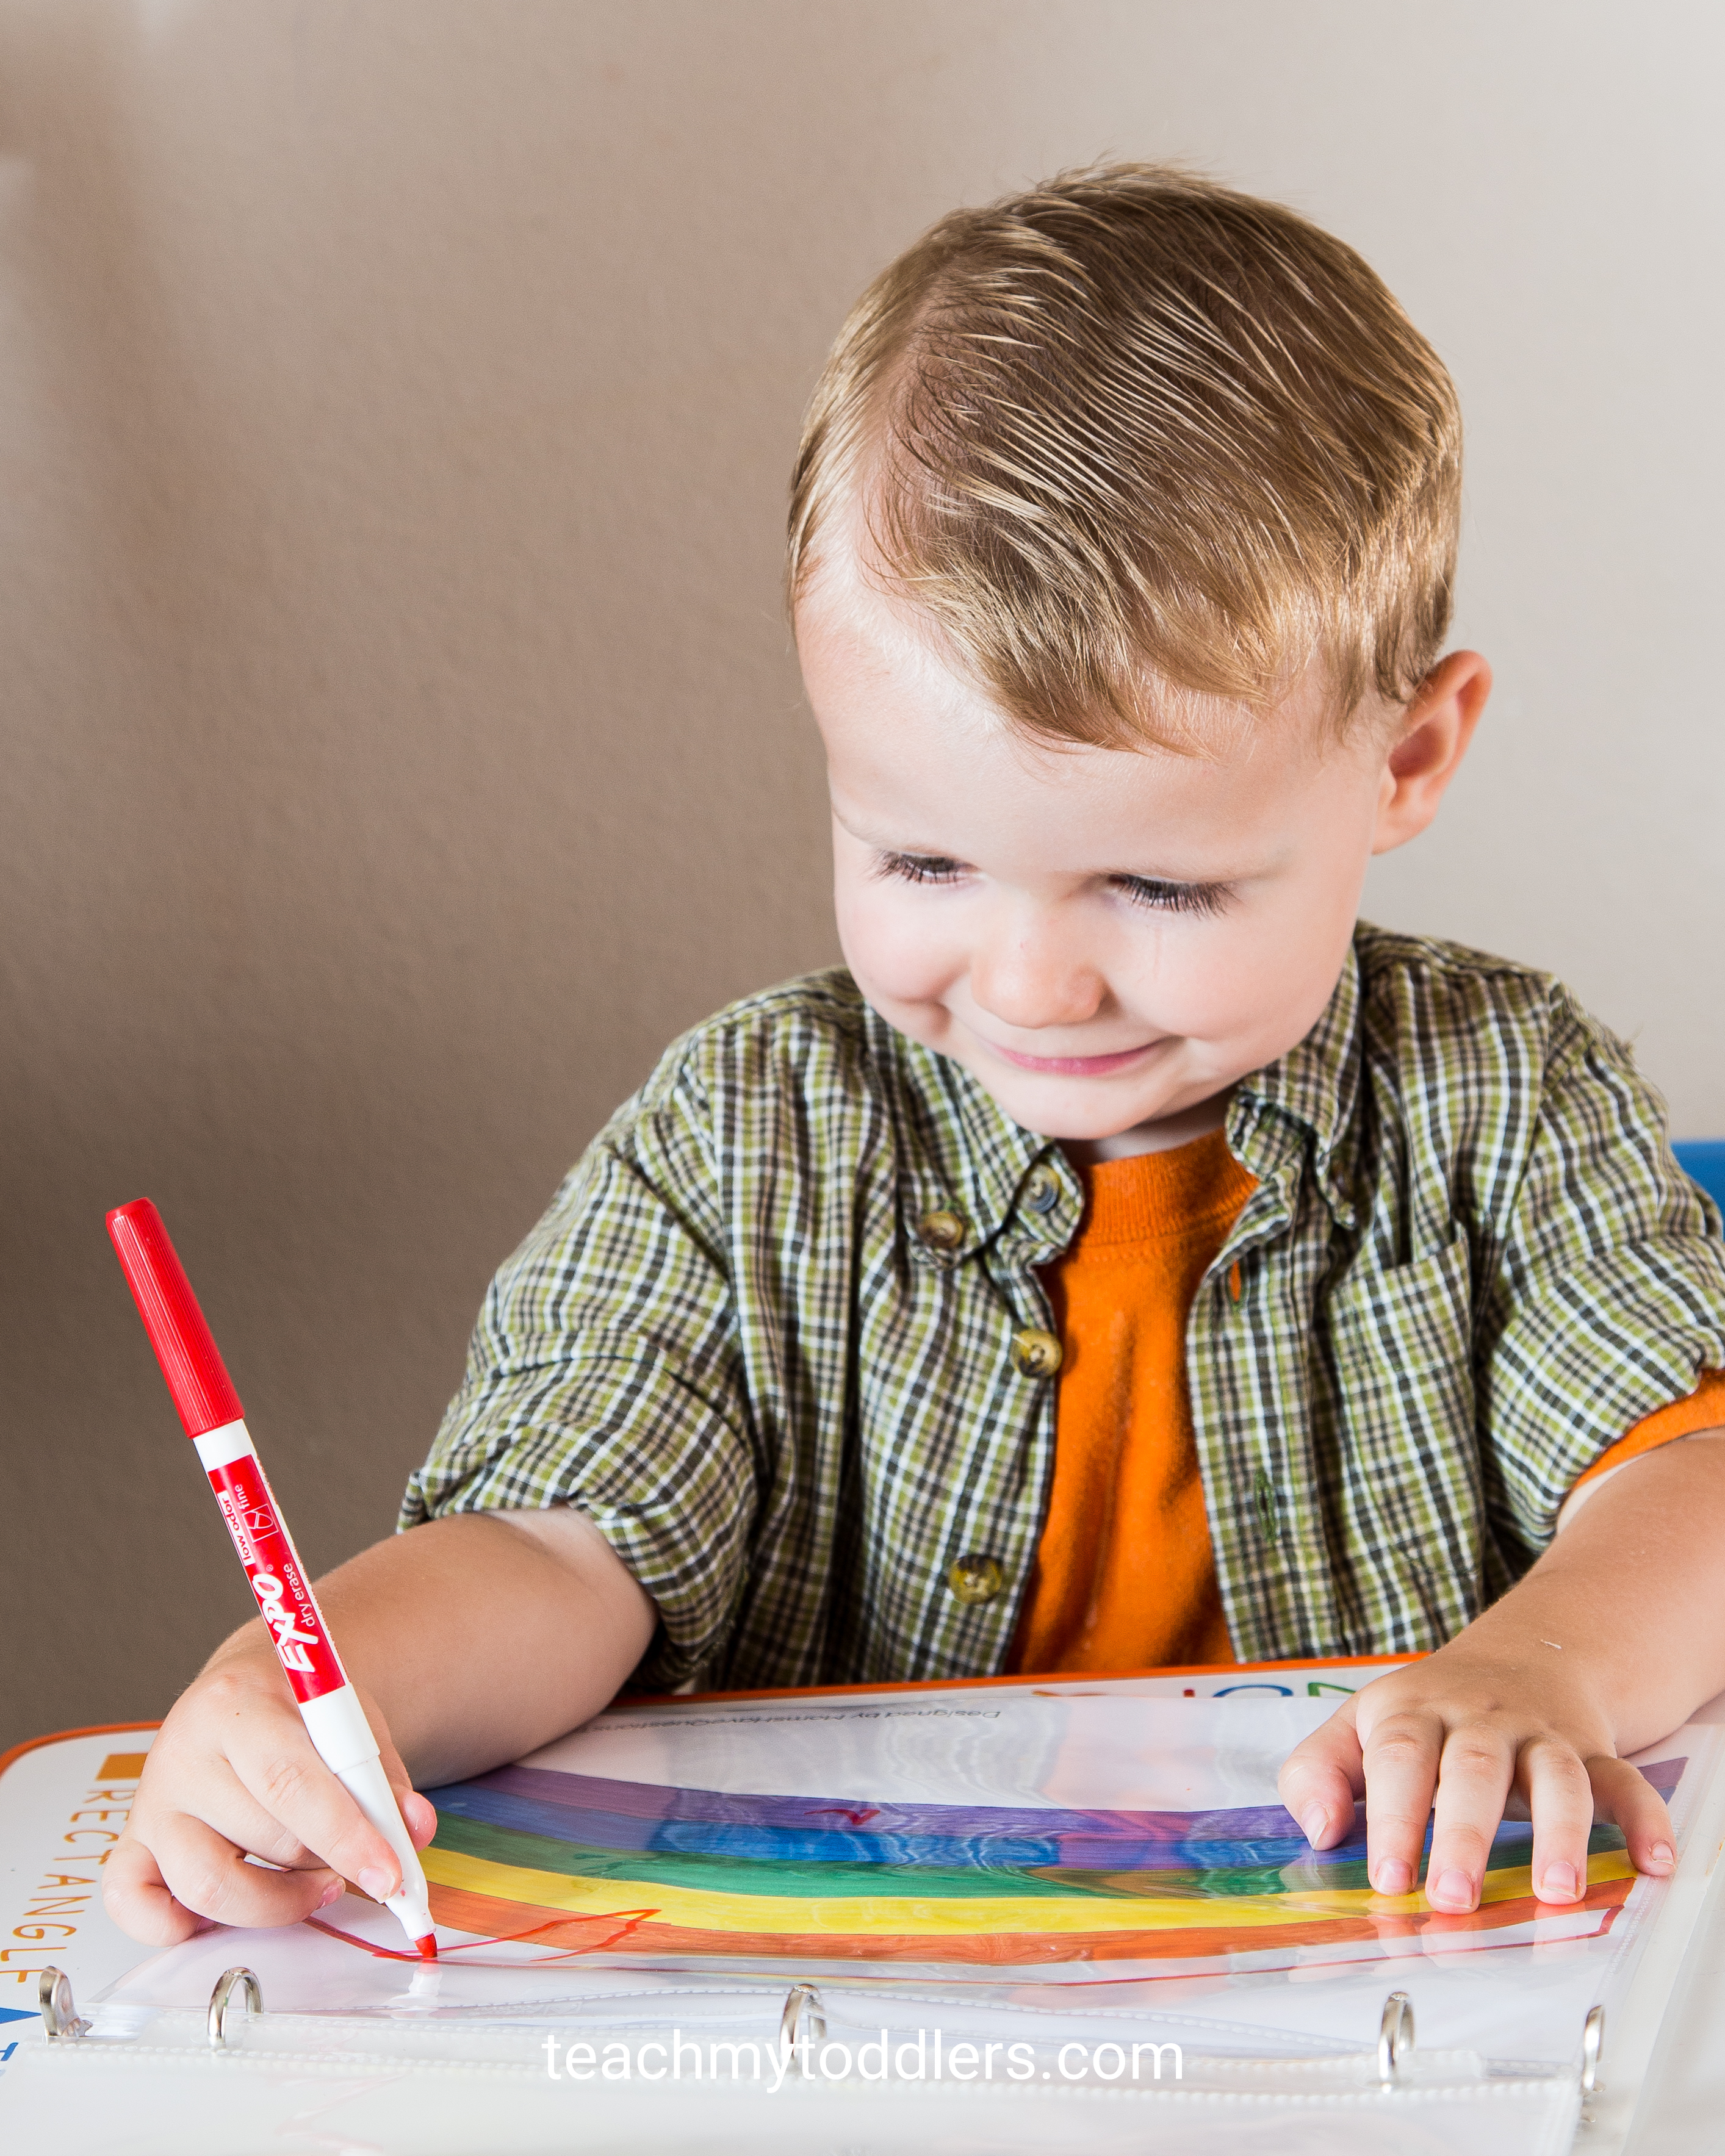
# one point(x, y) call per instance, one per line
point(428, 1947)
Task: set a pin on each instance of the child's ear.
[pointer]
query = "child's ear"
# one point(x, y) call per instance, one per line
point(1429, 746)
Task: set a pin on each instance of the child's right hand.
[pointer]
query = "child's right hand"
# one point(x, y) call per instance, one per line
point(234, 1774)
point(491, 1632)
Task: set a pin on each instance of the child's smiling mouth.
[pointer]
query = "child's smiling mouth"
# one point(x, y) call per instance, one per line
point(1076, 1066)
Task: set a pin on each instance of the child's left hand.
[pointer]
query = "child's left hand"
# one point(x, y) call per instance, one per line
point(1616, 1634)
point(1478, 1731)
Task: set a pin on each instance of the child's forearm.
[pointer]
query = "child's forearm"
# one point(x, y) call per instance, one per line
point(1632, 1589)
point(482, 1634)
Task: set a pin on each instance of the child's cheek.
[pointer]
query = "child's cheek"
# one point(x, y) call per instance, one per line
point(900, 953)
point(1259, 989)
point(1246, 987)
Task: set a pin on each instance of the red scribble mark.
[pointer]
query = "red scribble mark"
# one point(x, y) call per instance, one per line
point(347, 1939)
point(626, 1920)
point(858, 1815)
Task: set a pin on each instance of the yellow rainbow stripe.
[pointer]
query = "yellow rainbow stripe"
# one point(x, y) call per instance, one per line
point(904, 1914)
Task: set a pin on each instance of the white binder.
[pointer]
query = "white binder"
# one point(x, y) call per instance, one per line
point(421, 2064)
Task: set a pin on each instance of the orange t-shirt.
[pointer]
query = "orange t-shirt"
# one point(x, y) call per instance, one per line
point(1125, 1577)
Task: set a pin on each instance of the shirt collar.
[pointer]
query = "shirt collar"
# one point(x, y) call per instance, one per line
point(963, 1153)
point(1308, 1094)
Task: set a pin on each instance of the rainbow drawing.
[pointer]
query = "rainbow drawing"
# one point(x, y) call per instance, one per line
point(612, 1868)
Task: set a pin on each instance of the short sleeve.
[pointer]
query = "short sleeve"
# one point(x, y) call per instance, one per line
point(605, 1373)
point(1703, 1410)
point(1607, 1302)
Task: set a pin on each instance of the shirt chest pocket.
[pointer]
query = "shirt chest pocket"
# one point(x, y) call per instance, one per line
point(1401, 1342)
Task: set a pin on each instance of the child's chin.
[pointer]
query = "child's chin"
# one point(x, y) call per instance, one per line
point(1084, 1110)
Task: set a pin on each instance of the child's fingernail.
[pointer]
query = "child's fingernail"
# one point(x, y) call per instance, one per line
point(377, 1881)
point(1454, 1891)
point(333, 1892)
point(1559, 1884)
point(1661, 1856)
point(1316, 1823)
point(1394, 1876)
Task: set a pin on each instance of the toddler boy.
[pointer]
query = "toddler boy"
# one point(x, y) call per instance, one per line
point(1129, 1258)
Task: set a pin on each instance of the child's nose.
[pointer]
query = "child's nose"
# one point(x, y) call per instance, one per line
point(1036, 979)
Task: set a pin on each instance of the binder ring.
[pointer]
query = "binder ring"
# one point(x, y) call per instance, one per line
point(1395, 2037)
point(229, 1981)
point(803, 2021)
point(60, 2017)
point(1592, 2042)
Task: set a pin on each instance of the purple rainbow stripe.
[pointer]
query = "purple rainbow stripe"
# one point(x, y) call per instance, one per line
point(655, 1800)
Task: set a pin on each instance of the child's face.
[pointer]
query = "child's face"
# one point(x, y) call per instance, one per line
point(1104, 939)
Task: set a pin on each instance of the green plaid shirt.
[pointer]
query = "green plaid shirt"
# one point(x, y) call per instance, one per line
point(1470, 1264)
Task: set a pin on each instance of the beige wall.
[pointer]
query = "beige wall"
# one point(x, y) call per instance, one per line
point(401, 739)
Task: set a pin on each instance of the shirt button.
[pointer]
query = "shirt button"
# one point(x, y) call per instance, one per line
point(942, 1231)
point(1042, 1193)
point(975, 1578)
point(1035, 1354)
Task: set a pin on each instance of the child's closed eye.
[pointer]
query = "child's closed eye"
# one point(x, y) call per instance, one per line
point(1166, 897)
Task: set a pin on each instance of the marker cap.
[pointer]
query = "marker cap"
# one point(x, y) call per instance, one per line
point(191, 1361)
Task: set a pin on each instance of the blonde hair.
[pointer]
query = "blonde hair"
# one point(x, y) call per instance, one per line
point(1130, 434)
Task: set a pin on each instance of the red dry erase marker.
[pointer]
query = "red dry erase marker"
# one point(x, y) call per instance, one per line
point(209, 1408)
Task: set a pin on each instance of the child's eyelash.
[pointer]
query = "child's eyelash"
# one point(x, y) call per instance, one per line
point(918, 868)
point(1175, 898)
